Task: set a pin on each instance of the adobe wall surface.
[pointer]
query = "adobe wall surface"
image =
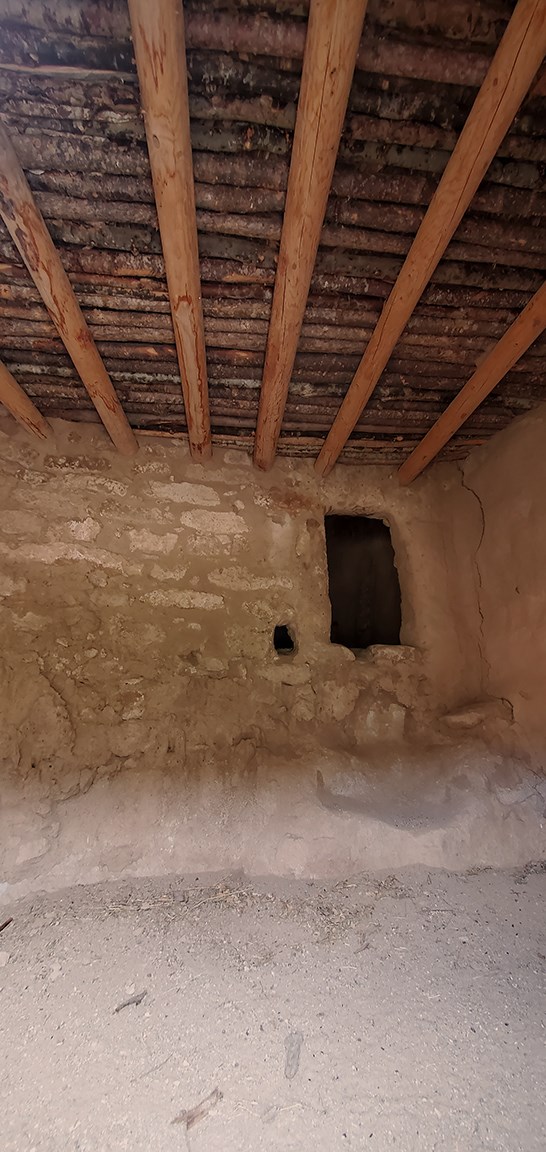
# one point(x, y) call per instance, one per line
point(508, 479)
point(148, 726)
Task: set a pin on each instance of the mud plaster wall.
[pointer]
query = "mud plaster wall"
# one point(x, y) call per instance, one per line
point(508, 478)
point(146, 723)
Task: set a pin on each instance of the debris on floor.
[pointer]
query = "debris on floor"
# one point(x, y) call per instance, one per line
point(288, 1016)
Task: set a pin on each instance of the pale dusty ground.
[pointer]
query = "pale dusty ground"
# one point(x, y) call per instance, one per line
point(394, 1012)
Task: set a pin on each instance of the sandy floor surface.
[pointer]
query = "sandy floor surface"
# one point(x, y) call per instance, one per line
point(383, 1012)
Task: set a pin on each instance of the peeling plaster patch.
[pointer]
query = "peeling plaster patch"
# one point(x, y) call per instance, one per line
point(169, 599)
point(261, 609)
point(281, 535)
point(215, 523)
point(201, 545)
point(87, 529)
point(241, 578)
point(71, 463)
point(156, 466)
point(143, 541)
point(95, 484)
point(97, 579)
point(129, 511)
point(185, 493)
point(213, 664)
point(50, 553)
point(167, 573)
point(25, 475)
point(262, 499)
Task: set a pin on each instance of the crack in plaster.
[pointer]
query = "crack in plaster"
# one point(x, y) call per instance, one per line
point(479, 582)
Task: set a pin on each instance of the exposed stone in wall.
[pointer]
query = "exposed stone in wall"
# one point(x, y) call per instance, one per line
point(137, 608)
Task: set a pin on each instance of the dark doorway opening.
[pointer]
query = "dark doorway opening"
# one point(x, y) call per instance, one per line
point(363, 582)
point(283, 640)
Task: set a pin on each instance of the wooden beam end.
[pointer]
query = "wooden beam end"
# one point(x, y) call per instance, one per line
point(263, 460)
point(323, 463)
point(405, 475)
point(120, 432)
point(129, 449)
point(201, 451)
point(21, 407)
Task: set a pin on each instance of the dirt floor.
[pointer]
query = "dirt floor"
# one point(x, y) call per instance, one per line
point(402, 1012)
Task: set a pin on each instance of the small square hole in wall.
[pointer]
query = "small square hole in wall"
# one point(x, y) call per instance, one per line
point(362, 581)
point(284, 641)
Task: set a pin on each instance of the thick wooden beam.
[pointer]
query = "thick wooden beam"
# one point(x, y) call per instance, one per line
point(160, 51)
point(502, 357)
point(20, 405)
point(510, 76)
point(333, 39)
point(26, 226)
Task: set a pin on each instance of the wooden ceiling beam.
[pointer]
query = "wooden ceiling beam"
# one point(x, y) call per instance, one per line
point(21, 406)
point(29, 233)
point(511, 74)
point(333, 39)
point(160, 52)
point(502, 357)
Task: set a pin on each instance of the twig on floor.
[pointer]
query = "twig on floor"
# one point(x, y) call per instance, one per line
point(154, 1068)
point(292, 1045)
point(215, 898)
point(5, 923)
point(275, 1110)
point(192, 1116)
point(136, 999)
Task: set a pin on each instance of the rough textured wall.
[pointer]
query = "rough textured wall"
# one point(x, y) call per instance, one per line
point(147, 723)
point(508, 478)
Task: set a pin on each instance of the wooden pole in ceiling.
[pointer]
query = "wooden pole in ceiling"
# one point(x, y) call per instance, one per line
point(160, 52)
point(511, 73)
point(516, 340)
point(28, 231)
point(333, 39)
point(20, 405)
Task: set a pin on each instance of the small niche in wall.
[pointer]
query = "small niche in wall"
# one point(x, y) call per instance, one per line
point(284, 641)
point(363, 582)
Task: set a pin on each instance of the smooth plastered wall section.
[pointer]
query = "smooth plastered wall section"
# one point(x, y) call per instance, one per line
point(508, 479)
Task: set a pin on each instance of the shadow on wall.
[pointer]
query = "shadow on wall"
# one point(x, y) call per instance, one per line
point(443, 807)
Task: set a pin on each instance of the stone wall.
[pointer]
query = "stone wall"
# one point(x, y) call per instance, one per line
point(508, 480)
point(147, 724)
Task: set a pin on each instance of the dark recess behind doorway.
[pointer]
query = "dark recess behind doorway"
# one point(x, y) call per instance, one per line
point(363, 582)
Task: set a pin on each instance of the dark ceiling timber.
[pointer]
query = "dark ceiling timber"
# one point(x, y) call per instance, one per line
point(160, 50)
point(30, 235)
point(69, 97)
point(333, 37)
point(511, 73)
point(512, 345)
